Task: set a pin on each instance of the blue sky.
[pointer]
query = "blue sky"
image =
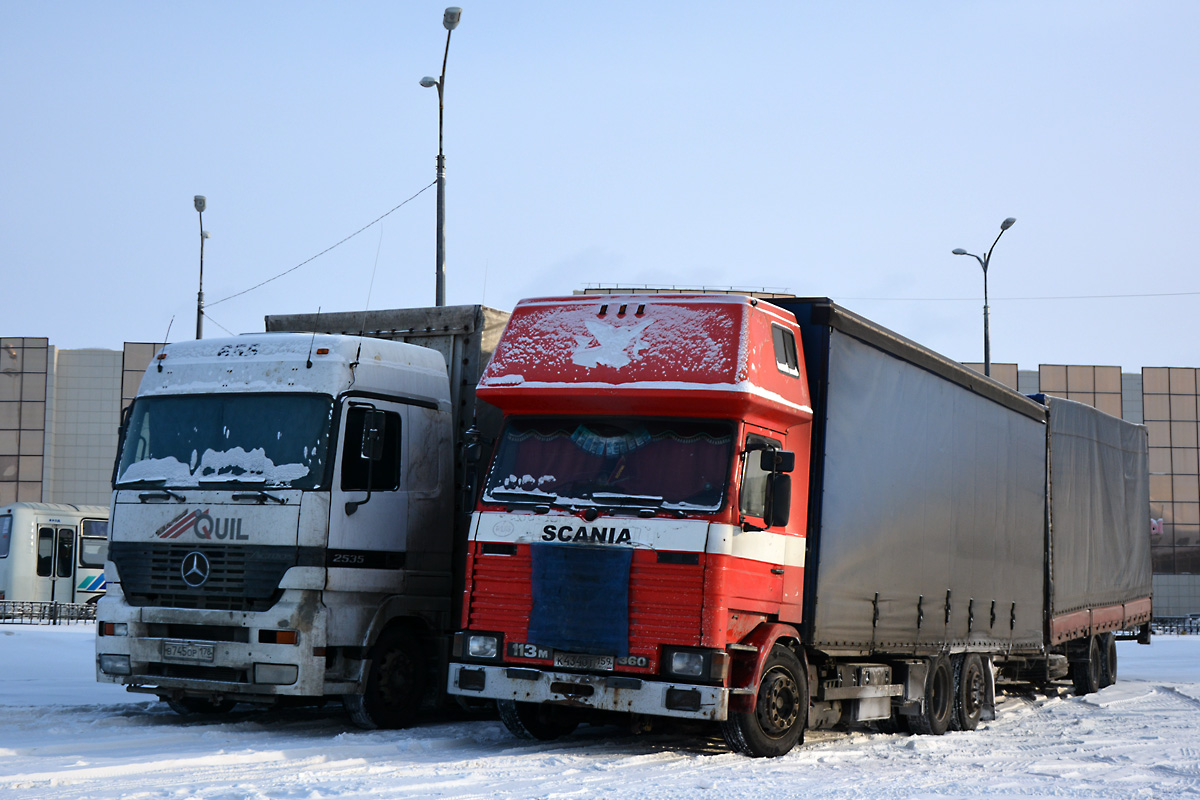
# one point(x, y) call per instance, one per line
point(837, 149)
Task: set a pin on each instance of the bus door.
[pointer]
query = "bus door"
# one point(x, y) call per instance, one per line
point(55, 564)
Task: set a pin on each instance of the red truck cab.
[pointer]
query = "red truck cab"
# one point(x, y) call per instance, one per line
point(637, 546)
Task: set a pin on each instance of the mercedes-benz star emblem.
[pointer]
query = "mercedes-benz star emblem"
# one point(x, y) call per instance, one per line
point(195, 569)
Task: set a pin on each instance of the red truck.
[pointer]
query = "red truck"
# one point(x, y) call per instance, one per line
point(778, 516)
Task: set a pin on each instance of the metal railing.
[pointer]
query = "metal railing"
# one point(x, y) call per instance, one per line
point(1188, 625)
point(29, 612)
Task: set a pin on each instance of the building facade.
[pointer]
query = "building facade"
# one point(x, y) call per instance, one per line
point(59, 415)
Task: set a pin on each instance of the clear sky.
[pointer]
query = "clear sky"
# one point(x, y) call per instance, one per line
point(836, 149)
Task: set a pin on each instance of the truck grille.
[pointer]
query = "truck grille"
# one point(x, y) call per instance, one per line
point(665, 599)
point(239, 579)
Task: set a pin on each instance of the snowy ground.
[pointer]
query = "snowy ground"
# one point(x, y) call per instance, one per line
point(64, 736)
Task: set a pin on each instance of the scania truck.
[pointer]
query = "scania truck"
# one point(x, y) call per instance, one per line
point(288, 511)
point(777, 516)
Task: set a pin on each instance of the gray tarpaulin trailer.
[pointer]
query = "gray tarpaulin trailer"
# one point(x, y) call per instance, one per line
point(949, 514)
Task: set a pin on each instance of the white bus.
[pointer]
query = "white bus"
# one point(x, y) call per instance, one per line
point(52, 552)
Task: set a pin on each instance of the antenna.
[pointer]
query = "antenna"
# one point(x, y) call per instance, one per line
point(166, 336)
point(316, 324)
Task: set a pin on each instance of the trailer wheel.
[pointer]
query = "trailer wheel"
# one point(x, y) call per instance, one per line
point(938, 706)
point(1108, 661)
point(540, 721)
point(395, 684)
point(200, 706)
point(969, 691)
point(780, 714)
point(1085, 673)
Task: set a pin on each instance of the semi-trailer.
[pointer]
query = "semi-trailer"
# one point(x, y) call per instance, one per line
point(781, 515)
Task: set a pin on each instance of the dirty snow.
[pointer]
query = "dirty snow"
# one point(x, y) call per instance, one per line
point(65, 736)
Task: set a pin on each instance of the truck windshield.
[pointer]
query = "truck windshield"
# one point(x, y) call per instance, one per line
point(184, 441)
point(676, 464)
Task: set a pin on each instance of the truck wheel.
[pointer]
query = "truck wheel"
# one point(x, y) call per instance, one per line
point(969, 692)
point(938, 706)
point(540, 721)
point(200, 706)
point(395, 684)
point(1108, 661)
point(1085, 674)
point(780, 714)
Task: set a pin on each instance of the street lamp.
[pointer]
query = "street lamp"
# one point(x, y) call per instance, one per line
point(200, 203)
point(450, 22)
point(983, 262)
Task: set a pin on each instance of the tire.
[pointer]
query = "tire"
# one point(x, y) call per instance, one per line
point(937, 709)
point(970, 692)
point(540, 721)
point(1108, 660)
point(1085, 674)
point(395, 684)
point(780, 714)
point(200, 706)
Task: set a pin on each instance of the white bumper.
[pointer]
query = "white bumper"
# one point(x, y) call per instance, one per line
point(600, 692)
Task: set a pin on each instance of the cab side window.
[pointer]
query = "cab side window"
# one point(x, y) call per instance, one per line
point(753, 497)
point(385, 473)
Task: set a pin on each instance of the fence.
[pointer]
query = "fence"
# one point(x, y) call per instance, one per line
point(25, 612)
point(1177, 625)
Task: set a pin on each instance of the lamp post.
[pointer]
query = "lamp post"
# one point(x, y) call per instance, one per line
point(450, 22)
point(200, 203)
point(983, 262)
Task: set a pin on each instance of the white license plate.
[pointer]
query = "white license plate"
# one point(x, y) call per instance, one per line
point(188, 651)
point(583, 661)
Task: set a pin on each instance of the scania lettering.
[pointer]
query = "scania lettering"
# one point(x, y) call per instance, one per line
point(288, 512)
point(779, 515)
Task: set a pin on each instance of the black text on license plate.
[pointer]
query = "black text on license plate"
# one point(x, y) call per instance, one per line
point(583, 661)
point(188, 651)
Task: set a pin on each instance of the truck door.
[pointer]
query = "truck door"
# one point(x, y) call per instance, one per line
point(368, 520)
point(55, 564)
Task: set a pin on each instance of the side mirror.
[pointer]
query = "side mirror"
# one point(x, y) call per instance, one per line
point(372, 439)
point(777, 460)
point(779, 505)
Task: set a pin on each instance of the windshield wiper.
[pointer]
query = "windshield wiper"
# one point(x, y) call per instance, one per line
point(260, 496)
point(161, 494)
point(616, 499)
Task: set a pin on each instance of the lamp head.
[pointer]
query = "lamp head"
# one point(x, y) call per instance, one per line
point(1008, 223)
point(958, 251)
point(453, 15)
point(428, 82)
point(199, 202)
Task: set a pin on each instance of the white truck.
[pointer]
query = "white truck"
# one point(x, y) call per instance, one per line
point(288, 509)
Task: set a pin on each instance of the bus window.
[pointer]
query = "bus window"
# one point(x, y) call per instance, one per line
point(66, 552)
point(45, 552)
point(93, 551)
point(95, 527)
point(5, 535)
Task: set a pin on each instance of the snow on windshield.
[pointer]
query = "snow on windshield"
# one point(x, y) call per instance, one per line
point(188, 440)
point(230, 465)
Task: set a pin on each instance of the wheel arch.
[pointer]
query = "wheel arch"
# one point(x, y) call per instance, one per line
point(746, 666)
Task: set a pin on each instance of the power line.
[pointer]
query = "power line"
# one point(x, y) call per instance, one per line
point(1058, 297)
point(326, 250)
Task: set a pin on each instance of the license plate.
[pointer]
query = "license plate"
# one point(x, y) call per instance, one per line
point(188, 651)
point(583, 661)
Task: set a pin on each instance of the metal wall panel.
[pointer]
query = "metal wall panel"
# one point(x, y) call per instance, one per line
point(929, 491)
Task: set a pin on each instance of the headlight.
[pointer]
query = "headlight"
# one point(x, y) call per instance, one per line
point(115, 665)
point(482, 646)
point(685, 663)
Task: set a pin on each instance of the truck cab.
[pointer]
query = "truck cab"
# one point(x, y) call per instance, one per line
point(637, 521)
point(282, 505)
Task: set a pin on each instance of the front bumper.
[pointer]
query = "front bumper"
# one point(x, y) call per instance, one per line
point(214, 652)
point(599, 692)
